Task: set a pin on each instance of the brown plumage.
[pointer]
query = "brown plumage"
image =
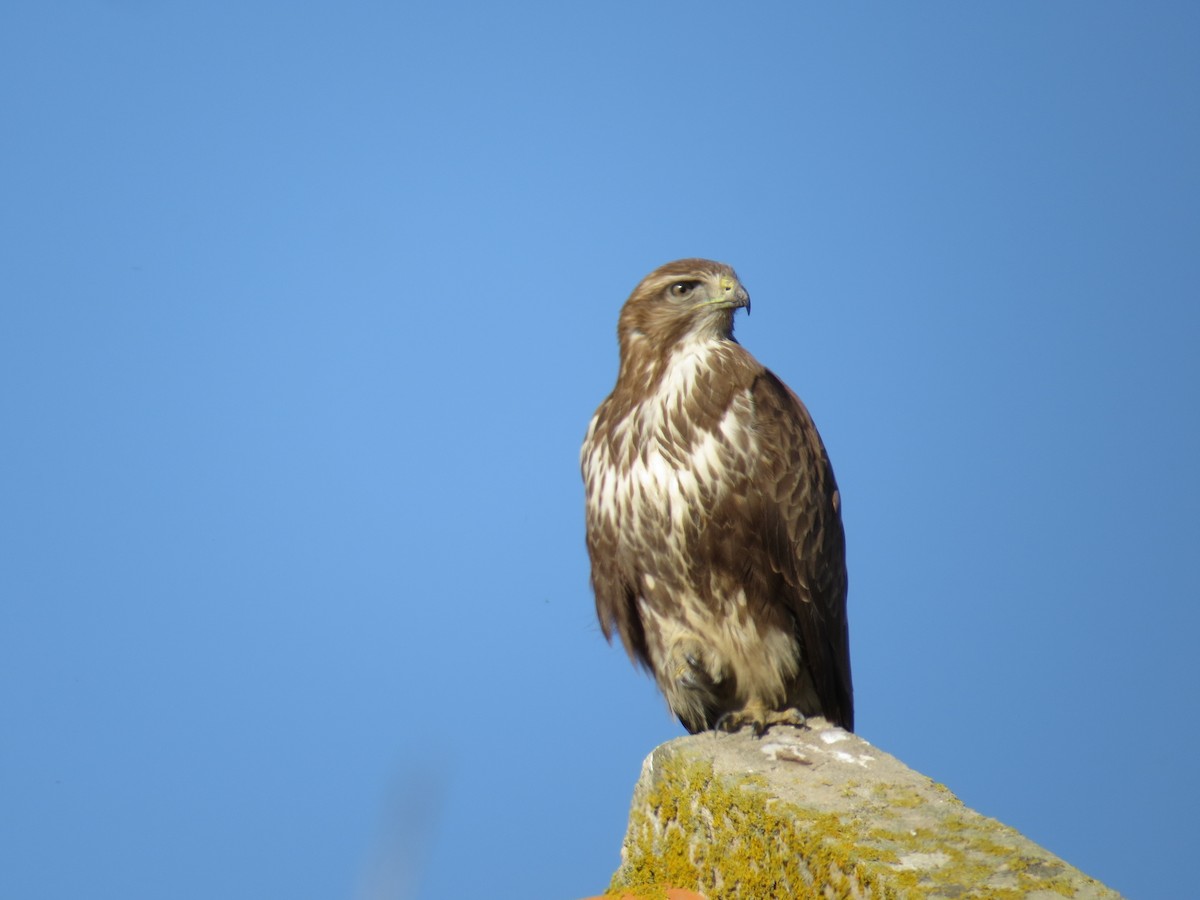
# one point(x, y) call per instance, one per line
point(713, 519)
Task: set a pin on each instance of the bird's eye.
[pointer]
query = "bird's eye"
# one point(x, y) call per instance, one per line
point(683, 288)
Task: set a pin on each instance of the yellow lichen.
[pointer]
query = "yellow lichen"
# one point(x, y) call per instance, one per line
point(729, 837)
point(702, 835)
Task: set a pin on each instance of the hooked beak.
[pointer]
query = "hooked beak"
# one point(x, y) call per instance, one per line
point(732, 296)
point(735, 295)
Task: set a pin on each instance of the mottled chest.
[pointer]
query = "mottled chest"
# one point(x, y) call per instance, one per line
point(660, 468)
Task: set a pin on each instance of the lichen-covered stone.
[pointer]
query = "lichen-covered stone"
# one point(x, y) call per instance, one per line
point(820, 813)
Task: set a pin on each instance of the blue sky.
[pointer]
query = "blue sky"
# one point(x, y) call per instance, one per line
point(305, 309)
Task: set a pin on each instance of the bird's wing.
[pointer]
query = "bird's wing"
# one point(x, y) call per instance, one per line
point(804, 541)
point(612, 583)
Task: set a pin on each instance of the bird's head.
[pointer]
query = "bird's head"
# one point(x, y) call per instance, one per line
point(689, 299)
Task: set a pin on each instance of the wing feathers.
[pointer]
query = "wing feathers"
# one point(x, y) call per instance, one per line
point(806, 543)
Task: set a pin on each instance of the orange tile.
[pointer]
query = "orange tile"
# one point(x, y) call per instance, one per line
point(672, 894)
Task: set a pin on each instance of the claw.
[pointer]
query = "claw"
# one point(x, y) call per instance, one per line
point(758, 719)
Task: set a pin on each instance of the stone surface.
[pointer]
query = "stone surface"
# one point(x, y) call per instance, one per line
point(819, 812)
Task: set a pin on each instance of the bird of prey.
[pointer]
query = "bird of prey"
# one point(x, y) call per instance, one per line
point(713, 519)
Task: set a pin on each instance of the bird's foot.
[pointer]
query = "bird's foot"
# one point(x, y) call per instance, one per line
point(687, 665)
point(689, 686)
point(759, 718)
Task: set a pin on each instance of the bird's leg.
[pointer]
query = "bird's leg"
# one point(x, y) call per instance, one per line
point(687, 665)
point(759, 717)
point(688, 685)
